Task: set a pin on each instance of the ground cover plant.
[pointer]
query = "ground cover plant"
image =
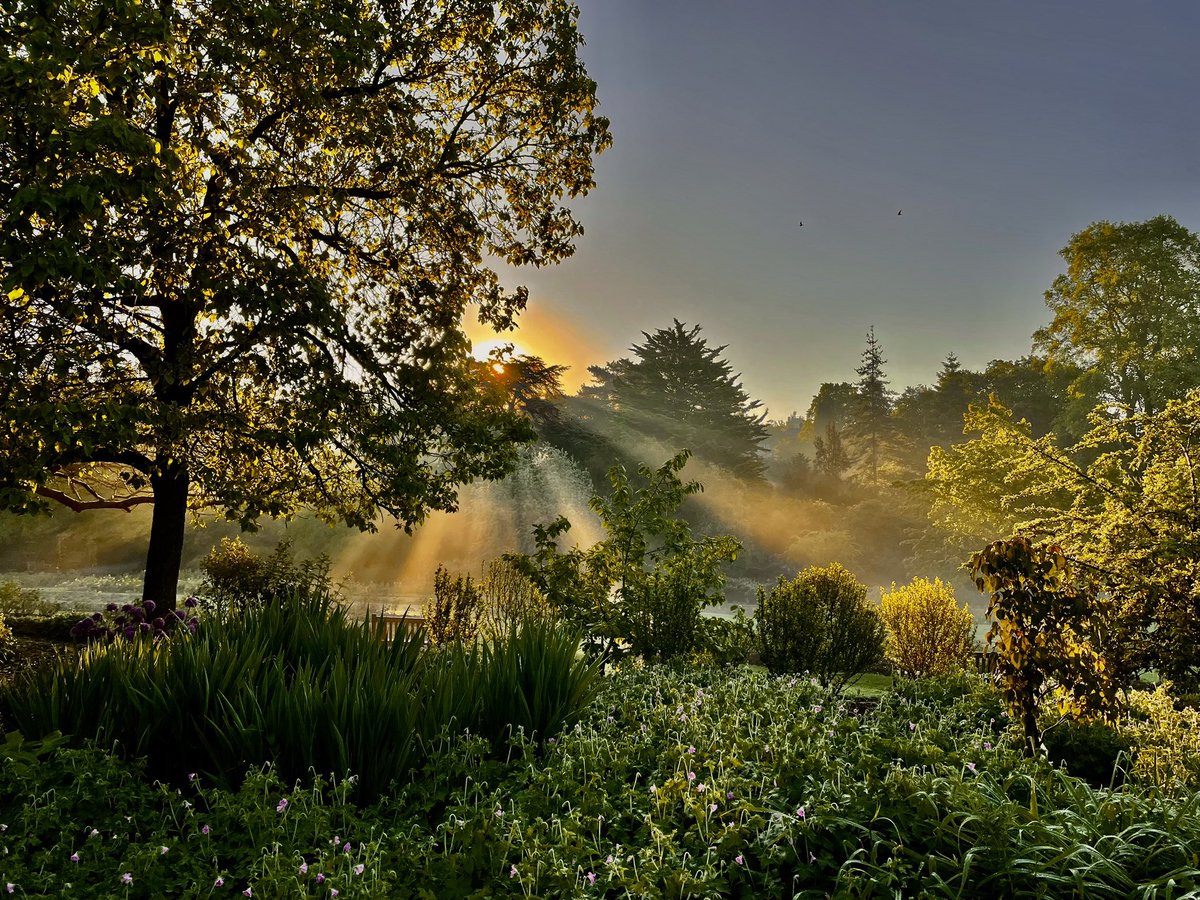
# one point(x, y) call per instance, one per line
point(677, 782)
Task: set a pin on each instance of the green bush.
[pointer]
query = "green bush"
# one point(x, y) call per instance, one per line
point(236, 578)
point(660, 616)
point(1090, 749)
point(19, 602)
point(727, 642)
point(55, 627)
point(8, 647)
point(508, 598)
point(454, 613)
point(819, 622)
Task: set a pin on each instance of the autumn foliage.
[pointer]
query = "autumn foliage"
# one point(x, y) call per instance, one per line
point(927, 634)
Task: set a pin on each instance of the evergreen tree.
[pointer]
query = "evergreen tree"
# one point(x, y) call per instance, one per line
point(871, 423)
point(678, 390)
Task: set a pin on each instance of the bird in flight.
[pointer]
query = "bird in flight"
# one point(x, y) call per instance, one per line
point(899, 212)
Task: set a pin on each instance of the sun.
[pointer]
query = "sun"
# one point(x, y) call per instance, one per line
point(499, 368)
point(483, 352)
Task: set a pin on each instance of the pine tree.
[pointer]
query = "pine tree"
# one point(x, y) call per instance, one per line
point(871, 424)
point(681, 392)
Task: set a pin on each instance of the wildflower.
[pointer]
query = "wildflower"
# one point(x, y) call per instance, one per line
point(162, 851)
point(358, 870)
point(512, 873)
point(127, 878)
point(987, 745)
point(93, 832)
point(282, 805)
point(701, 788)
point(333, 892)
point(691, 750)
point(10, 887)
point(551, 741)
point(247, 893)
point(818, 708)
point(971, 766)
point(800, 813)
point(303, 868)
point(74, 857)
point(610, 859)
point(190, 602)
point(591, 876)
point(204, 829)
point(739, 859)
point(729, 795)
point(346, 847)
point(812, 858)
point(712, 807)
point(912, 726)
point(220, 882)
point(691, 776)
point(499, 813)
point(320, 877)
point(654, 789)
point(191, 776)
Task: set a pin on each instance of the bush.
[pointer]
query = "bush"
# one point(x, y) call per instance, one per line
point(927, 634)
point(820, 622)
point(1166, 739)
point(509, 598)
point(16, 601)
point(727, 642)
point(1090, 749)
point(455, 611)
point(8, 647)
point(236, 578)
point(660, 616)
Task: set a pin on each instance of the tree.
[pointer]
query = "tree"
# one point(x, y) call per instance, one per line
point(831, 459)
point(238, 243)
point(1128, 310)
point(832, 404)
point(870, 426)
point(681, 392)
point(531, 387)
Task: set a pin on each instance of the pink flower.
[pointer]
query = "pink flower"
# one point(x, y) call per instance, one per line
point(333, 892)
point(220, 882)
point(320, 877)
point(499, 813)
point(162, 851)
point(191, 776)
point(800, 813)
point(127, 878)
point(358, 870)
point(971, 766)
point(739, 859)
point(204, 829)
point(691, 750)
point(303, 868)
point(712, 807)
point(812, 858)
point(512, 873)
point(701, 788)
point(591, 876)
point(987, 745)
point(346, 847)
point(912, 726)
point(691, 776)
point(610, 859)
point(10, 887)
point(729, 795)
point(74, 857)
point(282, 805)
point(247, 893)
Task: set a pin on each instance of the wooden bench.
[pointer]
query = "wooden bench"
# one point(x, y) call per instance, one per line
point(393, 625)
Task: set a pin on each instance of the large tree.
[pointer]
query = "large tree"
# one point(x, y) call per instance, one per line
point(1128, 310)
point(238, 241)
point(870, 430)
point(680, 391)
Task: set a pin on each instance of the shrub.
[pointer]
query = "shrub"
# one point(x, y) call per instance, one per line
point(1090, 749)
point(819, 622)
point(927, 634)
point(455, 611)
point(1166, 739)
point(16, 601)
point(235, 577)
point(8, 646)
point(660, 616)
point(509, 598)
point(727, 642)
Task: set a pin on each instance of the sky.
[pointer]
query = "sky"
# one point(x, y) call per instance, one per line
point(999, 129)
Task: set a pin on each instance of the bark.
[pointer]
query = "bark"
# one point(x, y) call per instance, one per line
point(165, 553)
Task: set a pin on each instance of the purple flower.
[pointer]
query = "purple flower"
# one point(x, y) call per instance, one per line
point(333, 892)
point(74, 857)
point(149, 606)
point(220, 882)
point(729, 795)
point(303, 868)
point(127, 878)
point(190, 602)
point(247, 893)
point(162, 851)
point(346, 847)
point(800, 813)
point(591, 877)
point(282, 805)
point(177, 613)
point(320, 877)
point(191, 776)
point(358, 870)
point(912, 726)
point(712, 807)
point(691, 776)
point(701, 788)
point(159, 623)
point(987, 745)
point(512, 873)
point(96, 617)
point(204, 829)
point(10, 887)
point(739, 859)
point(691, 750)
point(111, 607)
point(499, 813)
point(971, 766)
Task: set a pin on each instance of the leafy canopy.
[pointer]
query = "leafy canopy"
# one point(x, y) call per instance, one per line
point(237, 243)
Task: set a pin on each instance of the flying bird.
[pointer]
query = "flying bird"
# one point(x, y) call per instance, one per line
point(899, 212)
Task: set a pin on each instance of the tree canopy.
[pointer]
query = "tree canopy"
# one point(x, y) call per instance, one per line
point(238, 242)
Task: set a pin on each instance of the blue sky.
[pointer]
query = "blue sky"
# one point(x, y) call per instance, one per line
point(1000, 129)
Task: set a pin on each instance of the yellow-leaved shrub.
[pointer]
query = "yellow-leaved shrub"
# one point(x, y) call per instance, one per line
point(927, 634)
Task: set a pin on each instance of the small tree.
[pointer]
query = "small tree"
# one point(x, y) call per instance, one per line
point(1047, 633)
point(927, 634)
point(454, 612)
point(509, 598)
point(820, 622)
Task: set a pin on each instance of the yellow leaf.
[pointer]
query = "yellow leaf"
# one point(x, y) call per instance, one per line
point(16, 293)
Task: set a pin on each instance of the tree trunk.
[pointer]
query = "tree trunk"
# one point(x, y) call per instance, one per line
point(165, 553)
